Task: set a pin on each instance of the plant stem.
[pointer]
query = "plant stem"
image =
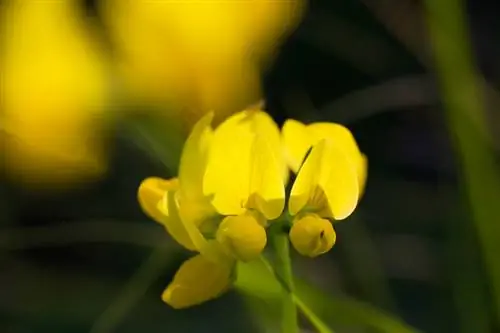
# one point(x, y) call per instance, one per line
point(320, 326)
point(463, 98)
point(283, 268)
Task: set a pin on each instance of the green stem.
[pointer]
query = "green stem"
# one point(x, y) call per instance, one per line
point(315, 321)
point(283, 268)
point(320, 326)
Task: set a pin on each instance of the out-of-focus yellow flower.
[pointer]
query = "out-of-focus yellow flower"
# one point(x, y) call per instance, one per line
point(53, 93)
point(203, 55)
point(245, 185)
point(328, 183)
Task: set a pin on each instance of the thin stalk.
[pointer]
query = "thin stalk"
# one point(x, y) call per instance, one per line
point(316, 322)
point(283, 268)
point(463, 99)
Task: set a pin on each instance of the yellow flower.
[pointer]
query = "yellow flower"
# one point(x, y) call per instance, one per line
point(53, 93)
point(231, 171)
point(204, 55)
point(328, 184)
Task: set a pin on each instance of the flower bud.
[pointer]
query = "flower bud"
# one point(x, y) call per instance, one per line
point(242, 236)
point(311, 235)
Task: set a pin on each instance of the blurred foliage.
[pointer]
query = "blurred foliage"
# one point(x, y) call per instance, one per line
point(414, 250)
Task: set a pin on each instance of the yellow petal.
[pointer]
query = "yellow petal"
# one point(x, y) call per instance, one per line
point(151, 192)
point(266, 126)
point(151, 195)
point(311, 235)
point(192, 168)
point(228, 170)
point(186, 227)
point(198, 280)
point(232, 158)
point(298, 138)
point(157, 198)
point(267, 190)
point(296, 143)
point(344, 139)
point(326, 183)
point(243, 236)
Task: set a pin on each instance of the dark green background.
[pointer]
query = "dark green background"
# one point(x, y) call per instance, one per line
point(410, 248)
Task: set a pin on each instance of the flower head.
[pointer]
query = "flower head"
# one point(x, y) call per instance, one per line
point(229, 186)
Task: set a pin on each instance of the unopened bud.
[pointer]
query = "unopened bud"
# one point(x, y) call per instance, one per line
point(311, 235)
point(243, 236)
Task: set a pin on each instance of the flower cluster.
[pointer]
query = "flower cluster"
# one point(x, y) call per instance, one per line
point(231, 188)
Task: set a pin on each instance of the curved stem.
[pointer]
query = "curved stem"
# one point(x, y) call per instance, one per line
point(462, 92)
point(283, 268)
point(320, 326)
point(315, 321)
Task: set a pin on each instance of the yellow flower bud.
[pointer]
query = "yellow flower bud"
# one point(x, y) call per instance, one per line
point(243, 236)
point(312, 235)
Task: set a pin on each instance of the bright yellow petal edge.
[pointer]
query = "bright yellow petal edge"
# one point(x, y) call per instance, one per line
point(326, 184)
point(267, 189)
point(296, 143)
point(228, 168)
point(298, 138)
point(194, 158)
point(246, 159)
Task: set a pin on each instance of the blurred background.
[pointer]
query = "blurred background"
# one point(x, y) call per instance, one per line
point(98, 95)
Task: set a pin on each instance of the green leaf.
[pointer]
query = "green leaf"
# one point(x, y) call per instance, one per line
point(256, 281)
point(463, 91)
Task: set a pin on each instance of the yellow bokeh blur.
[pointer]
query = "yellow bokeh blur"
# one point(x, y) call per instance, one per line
point(207, 54)
point(187, 57)
point(54, 91)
